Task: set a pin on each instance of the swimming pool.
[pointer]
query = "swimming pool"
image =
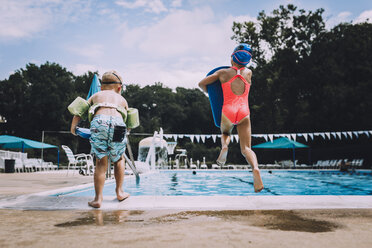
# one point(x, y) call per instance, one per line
point(240, 183)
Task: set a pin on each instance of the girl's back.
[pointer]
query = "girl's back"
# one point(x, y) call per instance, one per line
point(237, 86)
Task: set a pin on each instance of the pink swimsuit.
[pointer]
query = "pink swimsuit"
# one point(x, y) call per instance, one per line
point(235, 107)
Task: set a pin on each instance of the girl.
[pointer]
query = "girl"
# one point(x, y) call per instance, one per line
point(235, 83)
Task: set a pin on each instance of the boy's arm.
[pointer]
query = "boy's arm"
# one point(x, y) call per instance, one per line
point(90, 100)
point(208, 80)
point(125, 104)
point(75, 121)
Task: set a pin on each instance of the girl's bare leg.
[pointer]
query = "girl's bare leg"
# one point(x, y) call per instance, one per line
point(99, 181)
point(244, 132)
point(226, 128)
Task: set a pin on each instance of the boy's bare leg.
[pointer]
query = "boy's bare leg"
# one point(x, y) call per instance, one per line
point(119, 170)
point(226, 127)
point(99, 181)
point(244, 132)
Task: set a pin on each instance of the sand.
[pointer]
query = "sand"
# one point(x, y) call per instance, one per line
point(171, 228)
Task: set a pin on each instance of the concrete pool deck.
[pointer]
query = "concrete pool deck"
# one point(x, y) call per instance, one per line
point(32, 191)
point(148, 221)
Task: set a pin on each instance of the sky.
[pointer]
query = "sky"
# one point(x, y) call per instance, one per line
point(175, 42)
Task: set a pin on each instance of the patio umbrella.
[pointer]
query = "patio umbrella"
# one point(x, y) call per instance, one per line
point(94, 87)
point(7, 141)
point(282, 143)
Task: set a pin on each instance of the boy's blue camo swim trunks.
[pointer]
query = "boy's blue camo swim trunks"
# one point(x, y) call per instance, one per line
point(102, 131)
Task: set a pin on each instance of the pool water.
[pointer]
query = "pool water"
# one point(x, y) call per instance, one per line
point(240, 183)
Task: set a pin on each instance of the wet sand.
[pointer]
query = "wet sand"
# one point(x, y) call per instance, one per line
point(171, 228)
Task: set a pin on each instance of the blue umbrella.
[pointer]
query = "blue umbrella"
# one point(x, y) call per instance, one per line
point(282, 143)
point(7, 141)
point(94, 87)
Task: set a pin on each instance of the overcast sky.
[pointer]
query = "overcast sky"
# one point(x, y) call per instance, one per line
point(175, 42)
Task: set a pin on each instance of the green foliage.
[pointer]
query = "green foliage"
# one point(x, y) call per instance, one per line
point(34, 99)
point(285, 29)
point(182, 111)
point(338, 81)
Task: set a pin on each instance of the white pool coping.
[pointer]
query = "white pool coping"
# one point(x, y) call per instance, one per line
point(40, 202)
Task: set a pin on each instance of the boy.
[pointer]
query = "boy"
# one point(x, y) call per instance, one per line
point(107, 134)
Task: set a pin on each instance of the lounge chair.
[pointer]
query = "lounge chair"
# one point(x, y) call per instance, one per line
point(224, 167)
point(176, 165)
point(82, 160)
point(231, 167)
point(316, 165)
point(28, 165)
point(359, 163)
point(216, 166)
point(183, 166)
point(203, 166)
point(303, 166)
point(33, 164)
point(18, 165)
point(47, 165)
point(192, 166)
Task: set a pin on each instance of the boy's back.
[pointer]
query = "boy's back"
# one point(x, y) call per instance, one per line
point(110, 97)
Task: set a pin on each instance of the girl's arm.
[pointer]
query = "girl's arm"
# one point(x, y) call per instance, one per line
point(208, 80)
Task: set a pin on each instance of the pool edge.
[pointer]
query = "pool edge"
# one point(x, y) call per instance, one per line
point(39, 202)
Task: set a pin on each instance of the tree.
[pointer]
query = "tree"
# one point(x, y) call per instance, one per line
point(35, 98)
point(285, 29)
point(339, 78)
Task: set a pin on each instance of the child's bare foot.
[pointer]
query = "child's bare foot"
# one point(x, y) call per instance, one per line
point(95, 203)
point(257, 181)
point(221, 160)
point(121, 195)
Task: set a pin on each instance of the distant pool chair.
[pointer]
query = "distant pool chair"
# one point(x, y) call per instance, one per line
point(192, 166)
point(216, 167)
point(18, 165)
point(359, 163)
point(82, 161)
point(203, 165)
point(231, 167)
point(33, 164)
